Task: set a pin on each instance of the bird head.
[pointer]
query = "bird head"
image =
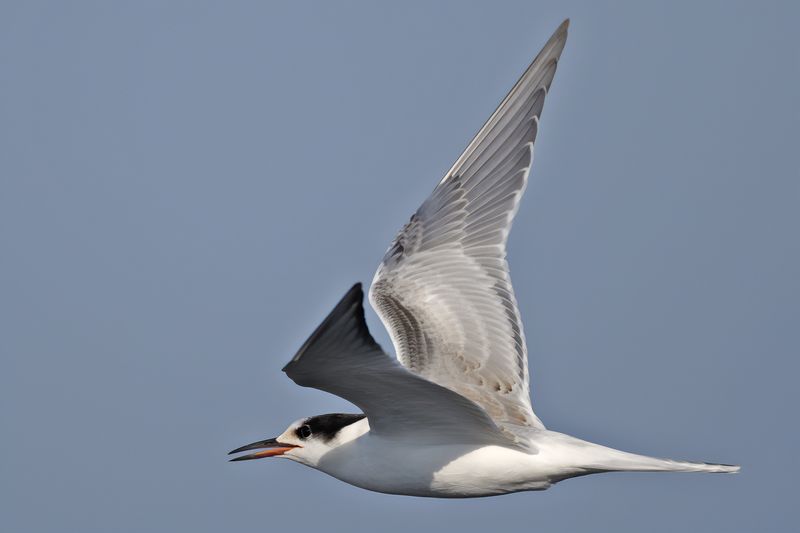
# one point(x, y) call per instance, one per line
point(308, 439)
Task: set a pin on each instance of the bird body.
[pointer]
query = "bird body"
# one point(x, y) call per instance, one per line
point(362, 458)
point(451, 415)
point(435, 470)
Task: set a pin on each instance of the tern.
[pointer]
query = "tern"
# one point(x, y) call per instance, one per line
point(451, 415)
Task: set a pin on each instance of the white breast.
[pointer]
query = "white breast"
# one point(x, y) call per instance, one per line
point(446, 471)
point(491, 470)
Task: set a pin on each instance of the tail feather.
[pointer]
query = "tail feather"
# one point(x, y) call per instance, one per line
point(619, 461)
point(579, 458)
point(671, 465)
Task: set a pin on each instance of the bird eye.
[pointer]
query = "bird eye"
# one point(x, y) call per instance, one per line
point(304, 432)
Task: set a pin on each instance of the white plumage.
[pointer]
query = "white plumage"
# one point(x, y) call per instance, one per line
point(451, 416)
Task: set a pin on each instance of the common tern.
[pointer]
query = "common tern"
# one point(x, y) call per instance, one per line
point(451, 416)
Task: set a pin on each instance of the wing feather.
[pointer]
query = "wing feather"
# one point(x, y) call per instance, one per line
point(342, 358)
point(443, 289)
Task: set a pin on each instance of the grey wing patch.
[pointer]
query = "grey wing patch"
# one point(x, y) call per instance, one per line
point(450, 310)
point(445, 208)
point(342, 358)
point(443, 289)
point(443, 215)
point(413, 347)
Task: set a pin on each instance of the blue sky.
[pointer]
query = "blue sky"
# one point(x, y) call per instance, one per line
point(186, 188)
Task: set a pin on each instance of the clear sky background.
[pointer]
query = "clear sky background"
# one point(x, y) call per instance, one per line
point(186, 188)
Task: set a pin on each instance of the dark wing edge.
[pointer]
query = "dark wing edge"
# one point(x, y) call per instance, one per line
point(342, 358)
point(344, 329)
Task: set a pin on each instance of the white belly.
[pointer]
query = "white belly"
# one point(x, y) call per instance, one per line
point(459, 471)
point(444, 471)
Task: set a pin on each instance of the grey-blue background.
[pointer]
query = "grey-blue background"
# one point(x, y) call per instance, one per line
point(187, 188)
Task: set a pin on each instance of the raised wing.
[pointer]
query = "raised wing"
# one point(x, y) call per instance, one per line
point(342, 358)
point(443, 289)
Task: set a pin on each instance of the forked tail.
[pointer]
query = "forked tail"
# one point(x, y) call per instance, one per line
point(641, 463)
point(610, 460)
point(588, 457)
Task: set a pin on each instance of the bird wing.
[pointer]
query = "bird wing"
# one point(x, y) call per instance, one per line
point(443, 289)
point(342, 358)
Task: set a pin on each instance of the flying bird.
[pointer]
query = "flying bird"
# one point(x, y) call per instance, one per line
point(451, 416)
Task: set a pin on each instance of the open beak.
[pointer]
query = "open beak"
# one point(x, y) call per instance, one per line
point(273, 448)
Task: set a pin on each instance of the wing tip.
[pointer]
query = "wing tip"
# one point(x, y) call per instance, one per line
point(354, 296)
point(357, 289)
point(560, 36)
point(562, 29)
point(555, 44)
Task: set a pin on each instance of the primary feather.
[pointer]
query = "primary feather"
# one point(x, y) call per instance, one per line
point(443, 289)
